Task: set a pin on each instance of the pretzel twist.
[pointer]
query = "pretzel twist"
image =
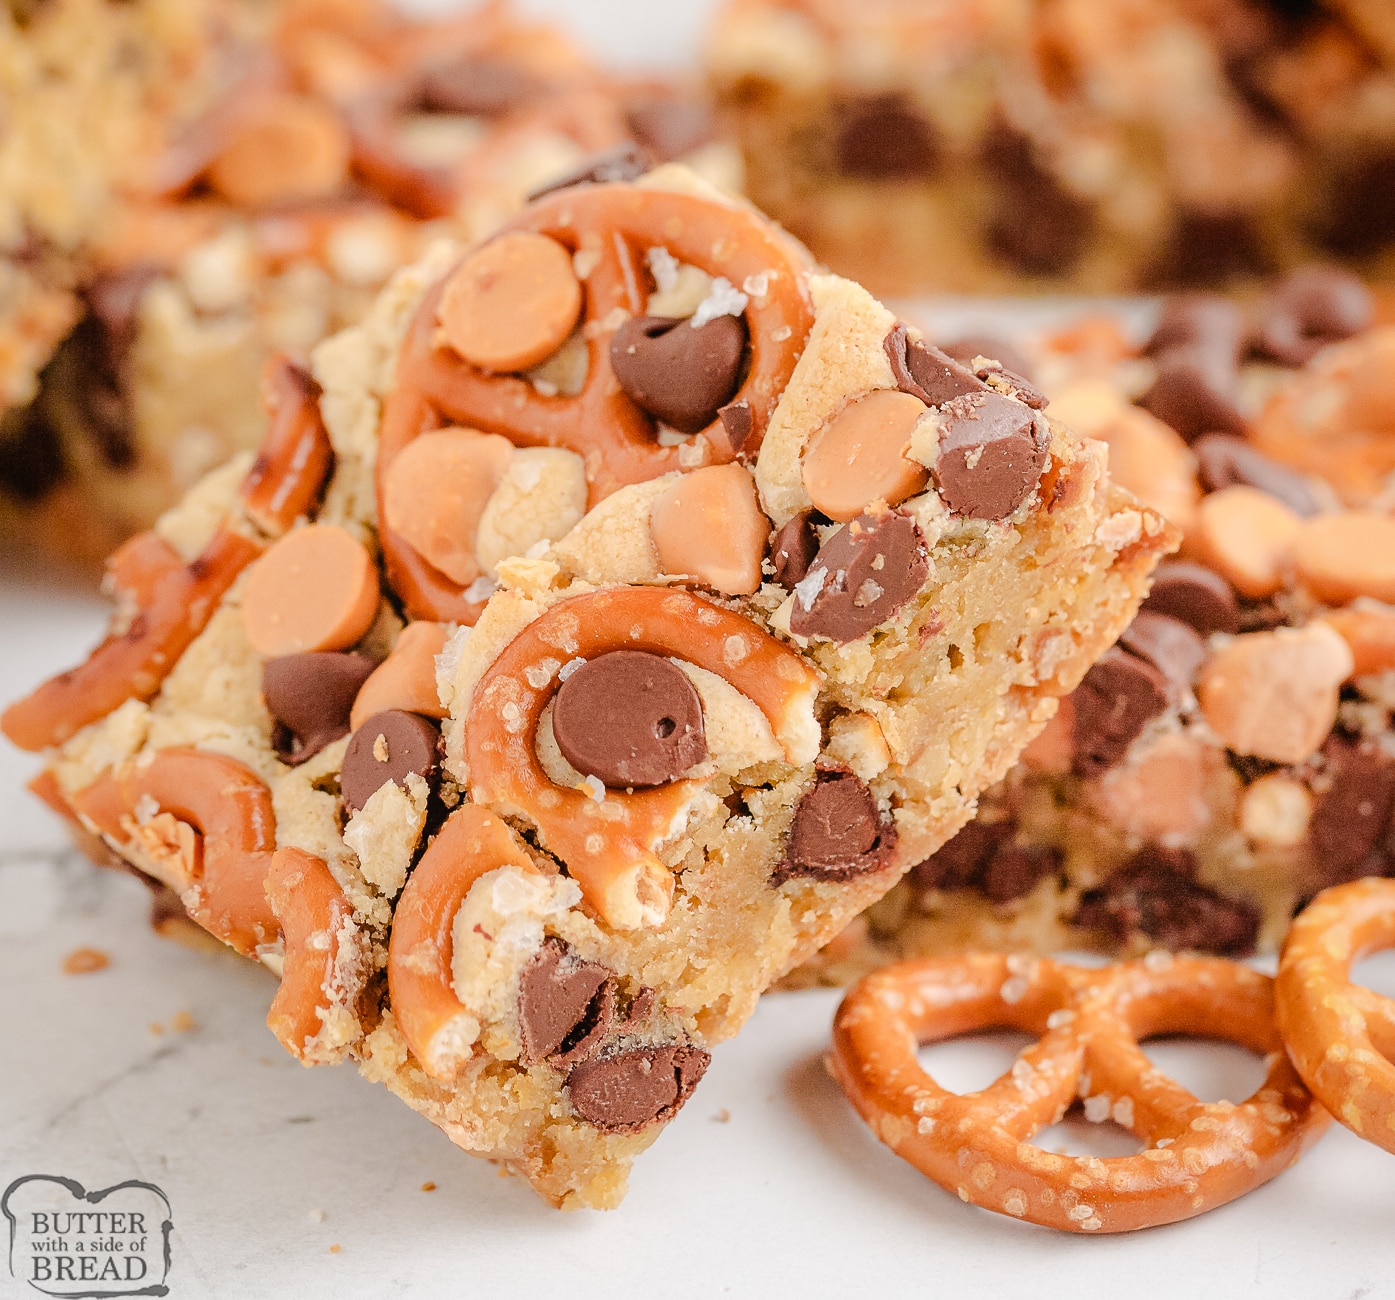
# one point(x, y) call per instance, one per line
point(435, 388)
point(1341, 1036)
point(1090, 1023)
point(609, 847)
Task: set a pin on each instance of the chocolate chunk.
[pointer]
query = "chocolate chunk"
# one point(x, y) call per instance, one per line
point(1037, 225)
point(1155, 894)
point(475, 87)
point(679, 374)
point(1224, 460)
point(1015, 870)
point(310, 696)
point(1210, 248)
point(1195, 594)
point(1112, 705)
point(837, 832)
point(925, 372)
point(1352, 814)
point(861, 577)
point(670, 126)
point(623, 163)
point(1006, 354)
point(1194, 393)
point(881, 136)
point(566, 1005)
point(628, 1091)
point(390, 746)
point(1170, 645)
point(736, 424)
point(793, 548)
point(630, 718)
point(991, 454)
point(1310, 308)
point(961, 862)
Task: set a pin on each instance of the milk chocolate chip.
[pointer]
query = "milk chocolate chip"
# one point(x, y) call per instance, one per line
point(925, 372)
point(883, 136)
point(1196, 348)
point(310, 696)
point(630, 1090)
point(679, 374)
point(670, 126)
point(860, 577)
point(1310, 308)
point(1007, 355)
point(566, 1005)
point(991, 454)
point(1195, 594)
point(390, 746)
point(793, 548)
point(737, 424)
point(985, 856)
point(1224, 460)
point(1170, 645)
point(837, 832)
point(1114, 702)
point(474, 87)
point(1353, 812)
point(630, 718)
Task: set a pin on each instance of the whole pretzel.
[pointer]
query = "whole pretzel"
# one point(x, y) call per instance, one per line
point(1090, 1023)
point(438, 1028)
point(1341, 1036)
point(229, 808)
point(435, 387)
point(608, 846)
point(173, 600)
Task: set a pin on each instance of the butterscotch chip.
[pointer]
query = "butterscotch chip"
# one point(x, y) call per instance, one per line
point(1275, 811)
point(1341, 557)
point(286, 149)
point(84, 961)
point(315, 589)
point(1247, 536)
point(709, 526)
point(859, 456)
point(1370, 634)
point(406, 679)
point(511, 303)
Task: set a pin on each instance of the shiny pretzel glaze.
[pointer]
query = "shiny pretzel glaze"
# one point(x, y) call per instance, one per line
point(1090, 1023)
point(437, 1026)
point(609, 846)
point(1342, 1036)
point(228, 807)
point(613, 225)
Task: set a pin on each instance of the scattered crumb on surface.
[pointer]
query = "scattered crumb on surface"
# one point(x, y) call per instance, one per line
point(156, 1028)
point(723, 1116)
point(83, 961)
point(183, 1022)
point(335, 1249)
point(428, 1187)
point(317, 1216)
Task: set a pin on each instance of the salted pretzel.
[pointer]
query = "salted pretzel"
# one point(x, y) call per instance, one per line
point(611, 225)
point(609, 846)
point(1197, 1155)
point(438, 1028)
point(208, 822)
point(1341, 1036)
point(168, 601)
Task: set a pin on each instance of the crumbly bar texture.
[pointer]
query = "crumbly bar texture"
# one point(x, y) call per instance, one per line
point(1235, 752)
point(666, 601)
point(994, 147)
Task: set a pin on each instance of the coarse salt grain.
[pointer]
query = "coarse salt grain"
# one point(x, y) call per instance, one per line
point(806, 590)
point(723, 299)
point(1097, 1108)
point(568, 668)
point(1014, 990)
point(663, 266)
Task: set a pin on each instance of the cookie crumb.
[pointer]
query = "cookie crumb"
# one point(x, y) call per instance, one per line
point(84, 961)
point(317, 1216)
point(335, 1249)
point(156, 1028)
point(428, 1187)
point(723, 1116)
point(183, 1022)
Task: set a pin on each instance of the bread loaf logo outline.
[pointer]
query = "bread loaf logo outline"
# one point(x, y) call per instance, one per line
point(66, 1241)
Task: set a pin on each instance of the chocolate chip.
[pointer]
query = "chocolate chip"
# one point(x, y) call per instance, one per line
point(1208, 249)
point(1195, 594)
point(628, 1091)
point(566, 1005)
point(623, 163)
point(309, 696)
point(679, 374)
point(881, 136)
point(31, 458)
point(1224, 460)
point(861, 577)
point(1359, 219)
point(630, 718)
point(1007, 354)
point(925, 372)
point(1170, 645)
point(475, 87)
point(389, 746)
point(1036, 224)
point(1015, 870)
point(670, 126)
point(837, 832)
point(736, 423)
point(1154, 894)
point(1112, 705)
point(1207, 322)
point(1193, 392)
point(960, 862)
point(793, 548)
point(1310, 308)
point(991, 454)
point(1353, 813)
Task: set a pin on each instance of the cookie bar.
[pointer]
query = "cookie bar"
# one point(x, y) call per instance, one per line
point(1062, 144)
point(1234, 753)
point(645, 605)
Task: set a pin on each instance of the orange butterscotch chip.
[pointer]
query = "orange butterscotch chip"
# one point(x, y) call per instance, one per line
point(406, 679)
point(1247, 536)
point(709, 527)
point(859, 456)
point(1341, 557)
point(1369, 633)
point(511, 303)
point(316, 589)
point(286, 148)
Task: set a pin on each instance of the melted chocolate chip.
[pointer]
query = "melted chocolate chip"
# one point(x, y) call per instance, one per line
point(991, 455)
point(837, 832)
point(679, 374)
point(1352, 815)
point(861, 577)
point(310, 696)
point(882, 136)
point(628, 1091)
point(736, 424)
point(1224, 460)
point(1006, 354)
point(1195, 594)
point(623, 163)
point(631, 719)
point(475, 87)
point(1310, 308)
point(925, 372)
point(670, 126)
point(389, 746)
point(1170, 645)
point(1112, 705)
point(566, 1005)
point(793, 548)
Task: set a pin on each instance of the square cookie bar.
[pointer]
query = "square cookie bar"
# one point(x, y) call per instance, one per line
point(646, 604)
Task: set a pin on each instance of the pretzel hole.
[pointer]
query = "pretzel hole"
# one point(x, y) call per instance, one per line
point(968, 1063)
point(1375, 972)
point(1211, 1069)
point(1077, 1135)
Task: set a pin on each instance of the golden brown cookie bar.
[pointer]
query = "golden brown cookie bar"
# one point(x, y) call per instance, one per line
point(585, 695)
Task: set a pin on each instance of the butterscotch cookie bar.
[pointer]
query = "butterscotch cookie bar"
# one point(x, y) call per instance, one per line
point(644, 606)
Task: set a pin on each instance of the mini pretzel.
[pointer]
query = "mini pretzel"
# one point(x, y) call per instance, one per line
point(437, 1026)
point(1342, 1036)
point(174, 600)
point(229, 810)
point(608, 847)
point(1090, 1023)
point(609, 223)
